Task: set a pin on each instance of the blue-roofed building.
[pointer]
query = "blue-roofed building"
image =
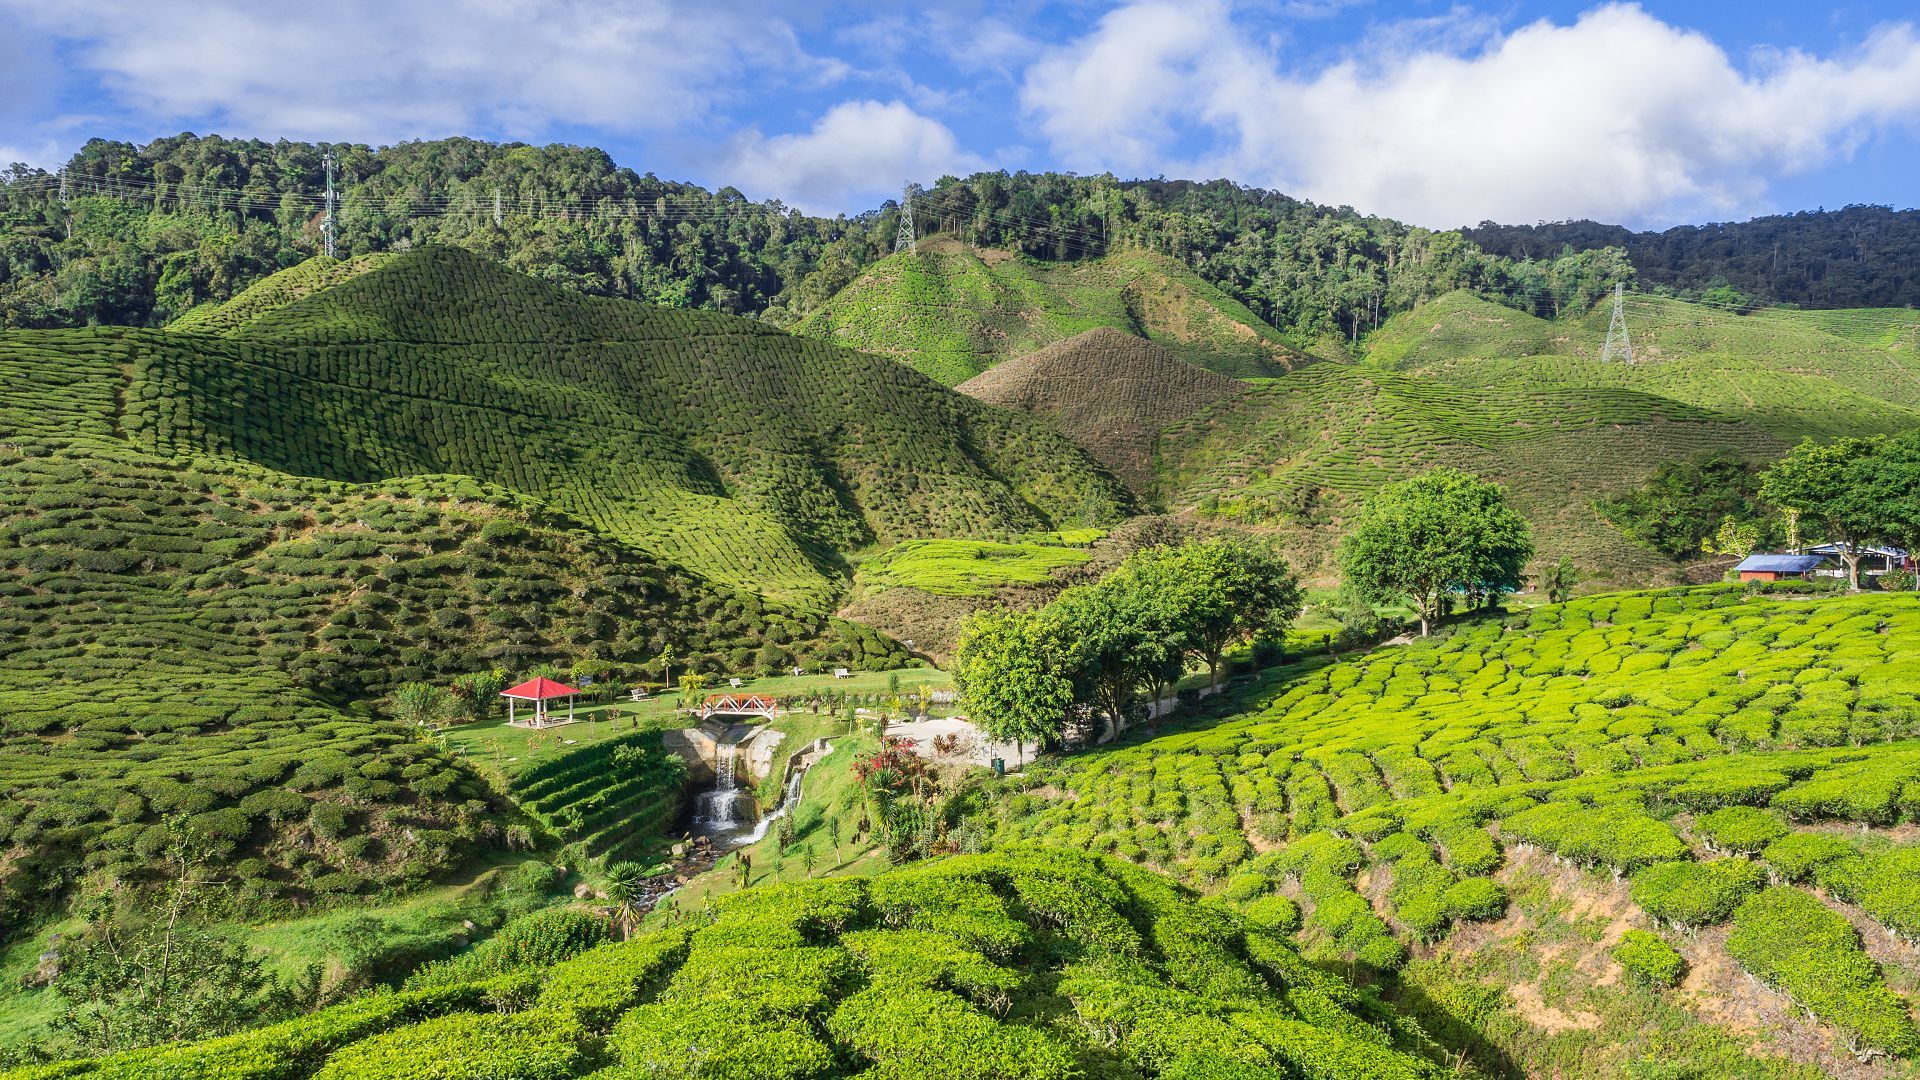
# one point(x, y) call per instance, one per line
point(1778, 567)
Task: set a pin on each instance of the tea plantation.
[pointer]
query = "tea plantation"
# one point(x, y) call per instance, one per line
point(752, 458)
point(953, 311)
point(1698, 743)
point(1016, 965)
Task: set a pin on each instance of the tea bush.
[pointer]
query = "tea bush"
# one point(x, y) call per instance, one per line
point(1648, 959)
point(1794, 942)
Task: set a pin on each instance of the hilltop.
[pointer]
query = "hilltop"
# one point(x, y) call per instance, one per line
point(1108, 391)
point(952, 311)
point(1483, 819)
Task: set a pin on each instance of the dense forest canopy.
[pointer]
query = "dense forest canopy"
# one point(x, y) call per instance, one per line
point(139, 235)
point(1860, 256)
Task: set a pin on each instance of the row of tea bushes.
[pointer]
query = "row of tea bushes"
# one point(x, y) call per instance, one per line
point(1028, 964)
point(1667, 738)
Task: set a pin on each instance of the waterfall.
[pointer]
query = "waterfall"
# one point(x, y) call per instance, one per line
point(715, 809)
point(787, 800)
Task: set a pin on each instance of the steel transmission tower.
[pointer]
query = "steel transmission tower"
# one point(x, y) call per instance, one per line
point(1619, 346)
point(327, 160)
point(904, 239)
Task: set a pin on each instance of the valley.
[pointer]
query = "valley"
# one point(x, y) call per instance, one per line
point(1012, 603)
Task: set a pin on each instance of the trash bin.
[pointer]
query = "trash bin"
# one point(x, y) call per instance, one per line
point(999, 766)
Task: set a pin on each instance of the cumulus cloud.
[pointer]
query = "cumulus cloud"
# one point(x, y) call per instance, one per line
point(377, 70)
point(1617, 116)
point(857, 150)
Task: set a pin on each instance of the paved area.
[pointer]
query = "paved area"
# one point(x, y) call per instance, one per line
point(970, 747)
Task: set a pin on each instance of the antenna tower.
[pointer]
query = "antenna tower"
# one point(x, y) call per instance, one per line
point(904, 240)
point(1619, 346)
point(327, 160)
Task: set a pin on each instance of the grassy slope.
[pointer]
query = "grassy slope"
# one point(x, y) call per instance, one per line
point(1042, 965)
point(1369, 788)
point(953, 311)
point(718, 444)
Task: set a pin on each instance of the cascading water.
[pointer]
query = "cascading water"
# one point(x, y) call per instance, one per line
point(714, 810)
point(716, 813)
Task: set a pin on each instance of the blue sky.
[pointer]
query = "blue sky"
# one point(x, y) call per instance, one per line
point(1443, 114)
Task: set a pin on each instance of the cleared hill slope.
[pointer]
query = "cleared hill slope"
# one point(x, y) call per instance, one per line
point(719, 444)
point(953, 311)
point(1025, 965)
point(1527, 402)
point(1108, 391)
point(1503, 805)
point(1793, 373)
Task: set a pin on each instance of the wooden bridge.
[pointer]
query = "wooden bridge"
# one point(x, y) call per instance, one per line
point(766, 708)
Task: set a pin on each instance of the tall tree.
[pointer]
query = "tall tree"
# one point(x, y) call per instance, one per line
point(1219, 591)
point(1442, 532)
point(1830, 486)
point(1011, 674)
point(1118, 640)
point(1893, 485)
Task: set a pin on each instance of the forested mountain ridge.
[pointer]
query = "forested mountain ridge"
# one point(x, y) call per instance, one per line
point(1858, 256)
point(140, 235)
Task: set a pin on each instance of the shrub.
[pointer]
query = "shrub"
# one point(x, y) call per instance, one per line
point(1695, 894)
point(1797, 855)
point(1791, 941)
point(534, 1045)
point(538, 940)
point(1650, 961)
point(1739, 830)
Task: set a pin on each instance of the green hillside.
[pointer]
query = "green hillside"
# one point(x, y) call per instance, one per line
point(1792, 373)
point(1023, 965)
point(717, 444)
point(953, 311)
point(1501, 806)
point(1108, 391)
point(1527, 402)
point(1301, 454)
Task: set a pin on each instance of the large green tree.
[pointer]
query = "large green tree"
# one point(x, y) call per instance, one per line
point(1012, 676)
point(1117, 641)
point(1893, 485)
point(1830, 487)
point(1218, 592)
point(1440, 533)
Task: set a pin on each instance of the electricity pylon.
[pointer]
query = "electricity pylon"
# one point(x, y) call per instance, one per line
point(1619, 346)
point(904, 239)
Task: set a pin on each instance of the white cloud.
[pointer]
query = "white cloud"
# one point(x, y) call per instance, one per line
point(378, 70)
point(858, 150)
point(1617, 116)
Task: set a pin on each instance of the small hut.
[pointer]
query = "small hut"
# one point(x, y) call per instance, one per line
point(539, 691)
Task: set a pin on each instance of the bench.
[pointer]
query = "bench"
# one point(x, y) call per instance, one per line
point(841, 673)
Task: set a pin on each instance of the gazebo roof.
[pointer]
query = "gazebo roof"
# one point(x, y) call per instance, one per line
point(539, 690)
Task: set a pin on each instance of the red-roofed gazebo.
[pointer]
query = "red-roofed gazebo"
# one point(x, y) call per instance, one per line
point(539, 691)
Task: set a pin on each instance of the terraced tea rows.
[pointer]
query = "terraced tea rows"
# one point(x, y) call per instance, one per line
point(953, 311)
point(715, 443)
point(1665, 736)
point(1023, 965)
